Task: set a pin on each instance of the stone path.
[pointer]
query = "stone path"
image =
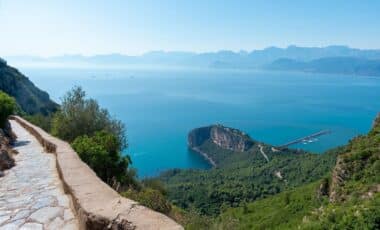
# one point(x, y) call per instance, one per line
point(31, 193)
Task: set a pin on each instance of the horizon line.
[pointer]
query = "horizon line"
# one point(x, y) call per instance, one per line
point(185, 51)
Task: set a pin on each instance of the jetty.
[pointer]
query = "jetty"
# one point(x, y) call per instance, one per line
point(306, 138)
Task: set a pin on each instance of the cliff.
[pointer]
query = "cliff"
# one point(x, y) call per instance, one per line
point(224, 137)
point(31, 99)
point(357, 168)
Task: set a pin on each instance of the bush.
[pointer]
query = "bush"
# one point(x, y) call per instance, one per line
point(40, 120)
point(7, 107)
point(102, 153)
point(80, 116)
point(151, 198)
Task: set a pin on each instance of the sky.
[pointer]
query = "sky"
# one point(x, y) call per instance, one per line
point(133, 27)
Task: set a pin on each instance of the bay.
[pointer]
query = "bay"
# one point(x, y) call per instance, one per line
point(160, 106)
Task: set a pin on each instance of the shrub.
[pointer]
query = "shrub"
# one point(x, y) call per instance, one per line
point(151, 198)
point(40, 120)
point(80, 116)
point(7, 107)
point(102, 153)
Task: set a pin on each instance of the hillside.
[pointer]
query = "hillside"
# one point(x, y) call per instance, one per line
point(348, 199)
point(31, 99)
point(246, 170)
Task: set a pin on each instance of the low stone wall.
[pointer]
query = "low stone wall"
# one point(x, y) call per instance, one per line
point(96, 204)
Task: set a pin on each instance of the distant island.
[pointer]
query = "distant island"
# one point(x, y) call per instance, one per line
point(330, 59)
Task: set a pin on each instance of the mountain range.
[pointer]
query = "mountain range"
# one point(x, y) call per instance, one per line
point(330, 59)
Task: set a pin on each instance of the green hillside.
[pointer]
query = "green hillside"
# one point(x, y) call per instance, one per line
point(348, 199)
point(243, 177)
point(31, 99)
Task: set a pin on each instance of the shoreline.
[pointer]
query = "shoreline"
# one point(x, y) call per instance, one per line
point(207, 157)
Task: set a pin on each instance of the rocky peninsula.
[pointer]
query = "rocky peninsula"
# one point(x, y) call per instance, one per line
point(231, 139)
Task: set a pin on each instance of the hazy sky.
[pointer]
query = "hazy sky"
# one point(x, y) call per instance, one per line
point(50, 27)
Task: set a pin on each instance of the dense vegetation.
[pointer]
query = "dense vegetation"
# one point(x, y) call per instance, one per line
point(7, 107)
point(102, 153)
point(348, 199)
point(283, 211)
point(31, 99)
point(243, 177)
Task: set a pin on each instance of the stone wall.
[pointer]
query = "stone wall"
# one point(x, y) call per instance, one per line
point(96, 204)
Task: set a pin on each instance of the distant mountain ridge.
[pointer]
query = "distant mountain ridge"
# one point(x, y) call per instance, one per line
point(267, 58)
point(31, 99)
point(338, 65)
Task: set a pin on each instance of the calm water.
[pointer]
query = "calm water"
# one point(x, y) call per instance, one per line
point(159, 107)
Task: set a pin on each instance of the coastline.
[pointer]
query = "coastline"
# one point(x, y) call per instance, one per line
point(207, 157)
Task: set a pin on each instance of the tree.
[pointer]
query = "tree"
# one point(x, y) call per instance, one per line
point(80, 116)
point(7, 107)
point(95, 136)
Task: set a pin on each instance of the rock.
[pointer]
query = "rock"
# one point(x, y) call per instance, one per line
point(3, 219)
point(6, 161)
point(57, 223)
point(323, 189)
point(32, 226)
point(224, 137)
point(68, 215)
point(46, 214)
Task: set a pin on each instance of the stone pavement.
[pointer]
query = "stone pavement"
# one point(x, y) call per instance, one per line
point(31, 193)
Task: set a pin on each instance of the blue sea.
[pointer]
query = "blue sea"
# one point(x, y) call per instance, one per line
point(160, 107)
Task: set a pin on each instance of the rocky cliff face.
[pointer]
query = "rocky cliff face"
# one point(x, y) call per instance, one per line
point(31, 99)
point(358, 166)
point(6, 153)
point(224, 137)
point(231, 139)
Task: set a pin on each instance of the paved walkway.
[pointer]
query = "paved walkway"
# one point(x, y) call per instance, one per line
point(31, 193)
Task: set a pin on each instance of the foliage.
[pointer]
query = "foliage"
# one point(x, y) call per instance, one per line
point(151, 198)
point(7, 107)
point(31, 99)
point(40, 120)
point(355, 180)
point(80, 116)
point(283, 211)
point(102, 153)
point(243, 177)
point(354, 214)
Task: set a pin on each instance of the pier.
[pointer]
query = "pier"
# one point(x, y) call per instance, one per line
point(306, 138)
